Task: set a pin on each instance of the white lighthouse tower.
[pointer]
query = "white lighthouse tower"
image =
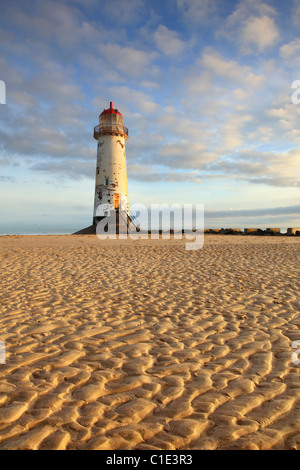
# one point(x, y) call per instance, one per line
point(111, 192)
point(111, 176)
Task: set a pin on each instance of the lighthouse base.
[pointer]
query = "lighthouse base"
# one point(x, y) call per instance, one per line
point(115, 220)
point(91, 230)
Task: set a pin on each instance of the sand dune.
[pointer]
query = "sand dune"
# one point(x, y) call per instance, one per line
point(145, 345)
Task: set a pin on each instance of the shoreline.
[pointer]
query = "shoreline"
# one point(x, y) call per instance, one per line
point(219, 232)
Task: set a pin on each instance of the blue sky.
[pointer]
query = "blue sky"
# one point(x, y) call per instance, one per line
point(205, 89)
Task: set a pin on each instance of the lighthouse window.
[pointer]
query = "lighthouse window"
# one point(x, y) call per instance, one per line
point(107, 181)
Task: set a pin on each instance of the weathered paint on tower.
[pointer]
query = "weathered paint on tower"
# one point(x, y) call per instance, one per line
point(111, 175)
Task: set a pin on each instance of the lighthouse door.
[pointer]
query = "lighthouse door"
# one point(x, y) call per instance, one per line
point(116, 201)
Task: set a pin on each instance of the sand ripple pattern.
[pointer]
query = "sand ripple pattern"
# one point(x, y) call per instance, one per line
point(144, 345)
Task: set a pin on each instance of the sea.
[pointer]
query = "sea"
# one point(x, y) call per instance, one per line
point(41, 228)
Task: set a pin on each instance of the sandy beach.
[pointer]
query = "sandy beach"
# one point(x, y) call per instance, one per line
point(145, 345)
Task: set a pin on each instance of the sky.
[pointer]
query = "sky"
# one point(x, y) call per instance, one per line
point(205, 88)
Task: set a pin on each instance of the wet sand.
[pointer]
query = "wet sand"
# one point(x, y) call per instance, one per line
point(145, 345)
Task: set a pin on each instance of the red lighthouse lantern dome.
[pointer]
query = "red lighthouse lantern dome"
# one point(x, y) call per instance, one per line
point(110, 123)
point(110, 110)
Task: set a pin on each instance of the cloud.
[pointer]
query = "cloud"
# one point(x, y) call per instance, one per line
point(7, 162)
point(291, 50)
point(231, 70)
point(270, 211)
point(264, 168)
point(295, 13)
point(153, 174)
point(270, 168)
point(247, 8)
point(285, 117)
point(182, 155)
point(53, 86)
point(40, 19)
point(259, 34)
point(137, 101)
point(60, 31)
point(197, 12)
point(123, 12)
point(149, 84)
point(262, 134)
point(252, 27)
point(231, 133)
point(66, 169)
point(225, 108)
point(39, 136)
point(168, 41)
point(7, 179)
point(130, 61)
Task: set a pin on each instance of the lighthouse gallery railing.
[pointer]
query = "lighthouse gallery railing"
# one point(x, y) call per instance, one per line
point(111, 129)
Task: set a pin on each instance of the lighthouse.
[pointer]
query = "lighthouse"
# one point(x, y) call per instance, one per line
point(111, 190)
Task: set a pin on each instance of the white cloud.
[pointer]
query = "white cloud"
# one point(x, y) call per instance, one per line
point(138, 101)
point(45, 17)
point(66, 169)
point(23, 98)
point(246, 8)
point(129, 61)
point(199, 11)
point(123, 12)
point(152, 173)
point(231, 70)
point(271, 168)
point(149, 84)
point(231, 132)
point(291, 50)
point(168, 41)
point(252, 27)
point(200, 83)
point(285, 117)
point(248, 165)
point(296, 12)
point(184, 154)
point(259, 34)
point(262, 134)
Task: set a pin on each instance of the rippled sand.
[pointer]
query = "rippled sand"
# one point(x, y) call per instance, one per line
point(145, 345)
